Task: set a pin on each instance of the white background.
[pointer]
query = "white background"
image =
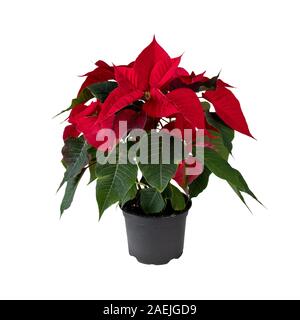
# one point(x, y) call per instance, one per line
point(229, 253)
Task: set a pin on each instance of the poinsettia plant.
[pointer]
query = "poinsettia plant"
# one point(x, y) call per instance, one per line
point(154, 94)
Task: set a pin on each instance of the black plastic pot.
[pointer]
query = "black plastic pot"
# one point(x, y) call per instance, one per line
point(155, 239)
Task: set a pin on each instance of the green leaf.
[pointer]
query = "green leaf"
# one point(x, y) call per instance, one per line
point(151, 201)
point(101, 90)
point(222, 169)
point(75, 157)
point(159, 174)
point(98, 90)
point(205, 105)
point(92, 169)
point(218, 144)
point(239, 194)
point(226, 133)
point(200, 183)
point(92, 154)
point(114, 181)
point(131, 194)
point(84, 96)
point(69, 192)
point(177, 199)
point(210, 84)
point(167, 193)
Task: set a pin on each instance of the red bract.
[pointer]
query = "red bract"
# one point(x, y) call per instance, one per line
point(228, 107)
point(181, 176)
point(185, 80)
point(70, 132)
point(83, 119)
point(146, 80)
point(103, 72)
point(225, 103)
point(80, 119)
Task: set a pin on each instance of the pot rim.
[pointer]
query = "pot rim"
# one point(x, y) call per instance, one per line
point(151, 216)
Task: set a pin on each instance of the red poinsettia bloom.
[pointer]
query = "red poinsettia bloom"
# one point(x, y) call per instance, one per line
point(83, 119)
point(147, 80)
point(225, 103)
point(70, 132)
point(228, 107)
point(166, 89)
point(103, 72)
point(184, 178)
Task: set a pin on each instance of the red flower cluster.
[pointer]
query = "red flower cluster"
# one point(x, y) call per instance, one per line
point(158, 88)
